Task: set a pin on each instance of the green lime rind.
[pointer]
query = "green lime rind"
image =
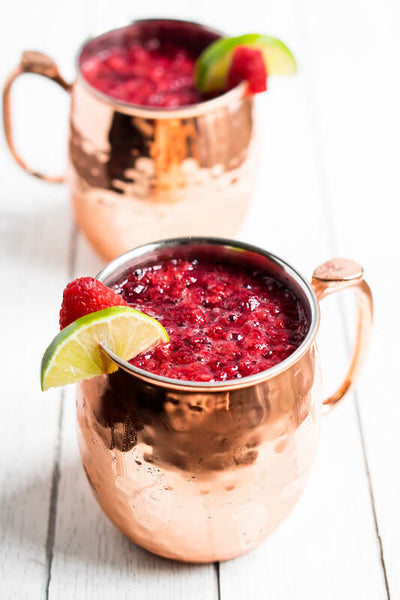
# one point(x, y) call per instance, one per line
point(212, 66)
point(74, 353)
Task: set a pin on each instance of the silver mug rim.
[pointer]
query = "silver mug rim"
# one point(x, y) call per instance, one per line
point(191, 110)
point(218, 386)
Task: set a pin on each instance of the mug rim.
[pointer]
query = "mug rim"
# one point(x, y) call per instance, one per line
point(232, 384)
point(138, 110)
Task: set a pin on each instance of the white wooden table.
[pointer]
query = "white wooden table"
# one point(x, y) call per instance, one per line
point(329, 186)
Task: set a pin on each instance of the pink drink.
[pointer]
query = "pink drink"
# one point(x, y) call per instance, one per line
point(149, 65)
point(224, 322)
point(148, 74)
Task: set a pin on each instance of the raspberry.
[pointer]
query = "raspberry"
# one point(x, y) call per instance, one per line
point(86, 295)
point(248, 65)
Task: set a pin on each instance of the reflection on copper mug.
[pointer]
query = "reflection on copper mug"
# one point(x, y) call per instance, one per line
point(137, 174)
point(202, 472)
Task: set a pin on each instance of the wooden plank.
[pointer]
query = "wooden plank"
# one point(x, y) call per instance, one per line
point(359, 126)
point(98, 12)
point(316, 553)
point(34, 233)
point(35, 229)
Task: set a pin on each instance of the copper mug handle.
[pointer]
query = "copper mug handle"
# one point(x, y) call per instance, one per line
point(31, 62)
point(336, 275)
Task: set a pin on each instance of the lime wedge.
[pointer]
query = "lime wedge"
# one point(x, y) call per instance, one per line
point(74, 353)
point(212, 66)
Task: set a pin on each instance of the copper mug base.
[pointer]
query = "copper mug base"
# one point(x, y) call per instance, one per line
point(138, 174)
point(200, 472)
point(174, 507)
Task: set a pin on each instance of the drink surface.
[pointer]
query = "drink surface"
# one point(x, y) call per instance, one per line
point(224, 322)
point(147, 73)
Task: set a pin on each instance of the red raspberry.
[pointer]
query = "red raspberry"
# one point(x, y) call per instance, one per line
point(248, 65)
point(86, 295)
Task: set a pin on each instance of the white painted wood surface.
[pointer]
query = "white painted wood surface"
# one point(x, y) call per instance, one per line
point(329, 185)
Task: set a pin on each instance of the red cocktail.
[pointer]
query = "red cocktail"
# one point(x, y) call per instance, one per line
point(200, 445)
point(224, 321)
point(191, 456)
point(140, 168)
point(148, 73)
point(150, 156)
point(149, 64)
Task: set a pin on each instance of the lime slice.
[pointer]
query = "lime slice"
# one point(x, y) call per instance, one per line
point(212, 66)
point(74, 353)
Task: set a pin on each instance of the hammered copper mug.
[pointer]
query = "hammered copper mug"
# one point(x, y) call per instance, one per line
point(202, 472)
point(138, 174)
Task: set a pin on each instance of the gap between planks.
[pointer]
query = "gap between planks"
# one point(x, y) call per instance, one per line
point(53, 500)
point(55, 479)
point(218, 576)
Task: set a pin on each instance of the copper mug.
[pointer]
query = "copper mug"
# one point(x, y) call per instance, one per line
point(138, 174)
point(202, 472)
